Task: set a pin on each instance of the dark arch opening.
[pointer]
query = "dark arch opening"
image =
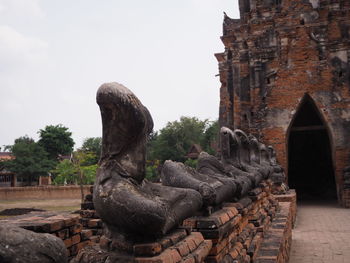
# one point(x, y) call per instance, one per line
point(310, 166)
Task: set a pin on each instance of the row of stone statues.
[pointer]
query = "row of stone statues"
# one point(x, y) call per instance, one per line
point(244, 163)
point(134, 209)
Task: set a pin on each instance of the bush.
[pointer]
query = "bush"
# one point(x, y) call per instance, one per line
point(191, 163)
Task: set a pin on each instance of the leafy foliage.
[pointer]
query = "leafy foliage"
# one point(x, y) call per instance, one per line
point(64, 173)
point(210, 137)
point(191, 163)
point(93, 145)
point(56, 140)
point(175, 140)
point(152, 171)
point(81, 170)
point(31, 160)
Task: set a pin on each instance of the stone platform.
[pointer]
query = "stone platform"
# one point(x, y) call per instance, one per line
point(256, 228)
point(237, 229)
point(178, 246)
point(63, 225)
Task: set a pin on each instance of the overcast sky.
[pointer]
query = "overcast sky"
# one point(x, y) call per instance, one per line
point(54, 54)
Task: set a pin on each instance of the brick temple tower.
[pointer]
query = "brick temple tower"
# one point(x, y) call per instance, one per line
point(285, 77)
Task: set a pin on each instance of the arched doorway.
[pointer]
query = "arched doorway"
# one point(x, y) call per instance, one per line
point(310, 166)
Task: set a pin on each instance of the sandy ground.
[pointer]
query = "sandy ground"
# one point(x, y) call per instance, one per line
point(50, 205)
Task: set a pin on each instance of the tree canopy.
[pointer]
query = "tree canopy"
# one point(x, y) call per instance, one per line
point(92, 145)
point(82, 169)
point(31, 160)
point(175, 139)
point(56, 140)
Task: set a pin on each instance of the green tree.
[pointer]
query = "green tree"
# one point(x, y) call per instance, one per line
point(93, 145)
point(31, 160)
point(176, 138)
point(81, 170)
point(209, 140)
point(64, 173)
point(56, 140)
point(191, 163)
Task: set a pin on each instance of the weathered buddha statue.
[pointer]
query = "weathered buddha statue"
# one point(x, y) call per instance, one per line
point(230, 147)
point(217, 180)
point(21, 245)
point(244, 152)
point(278, 176)
point(131, 207)
point(265, 159)
point(257, 157)
point(214, 188)
point(210, 165)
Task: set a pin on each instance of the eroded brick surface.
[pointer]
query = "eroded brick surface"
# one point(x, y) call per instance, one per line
point(276, 53)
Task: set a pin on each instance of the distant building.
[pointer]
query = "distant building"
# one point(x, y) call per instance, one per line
point(7, 178)
point(194, 152)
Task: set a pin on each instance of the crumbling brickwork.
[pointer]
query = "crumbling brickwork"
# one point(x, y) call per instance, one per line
point(277, 53)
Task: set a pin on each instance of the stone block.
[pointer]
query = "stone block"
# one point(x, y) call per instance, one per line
point(86, 234)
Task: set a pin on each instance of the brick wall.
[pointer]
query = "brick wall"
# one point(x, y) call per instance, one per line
point(276, 53)
point(242, 227)
point(42, 192)
point(256, 228)
point(65, 226)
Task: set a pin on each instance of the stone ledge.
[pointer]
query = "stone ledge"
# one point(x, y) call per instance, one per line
point(237, 230)
point(277, 241)
point(63, 225)
point(180, 247)
point(291, 197)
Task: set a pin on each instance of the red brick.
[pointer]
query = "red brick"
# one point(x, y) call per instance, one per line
point(94, 223)
point(86, 234)
point(63, 233)
point(147, 249)
point(75, 229)
point(75, 239)
point(202, 251)
point(68, 242)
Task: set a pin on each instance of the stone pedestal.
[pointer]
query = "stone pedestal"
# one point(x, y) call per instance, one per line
point(237, 229)
point(63, 225)
point(178, 246)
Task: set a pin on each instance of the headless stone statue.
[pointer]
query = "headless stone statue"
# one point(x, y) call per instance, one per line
point(131, 207)
point(210, 165)
point(257, 159)
point(278, 176)
point(242, 167)
point(244, 154)
point(230, 157)
point(214, 188)
point(21, 245)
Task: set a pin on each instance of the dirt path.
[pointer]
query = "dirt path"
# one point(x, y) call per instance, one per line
point(322, 234)
point(52, 205)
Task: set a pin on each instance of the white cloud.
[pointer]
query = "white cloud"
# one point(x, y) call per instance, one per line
point(18, 50)
point(21, 8)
